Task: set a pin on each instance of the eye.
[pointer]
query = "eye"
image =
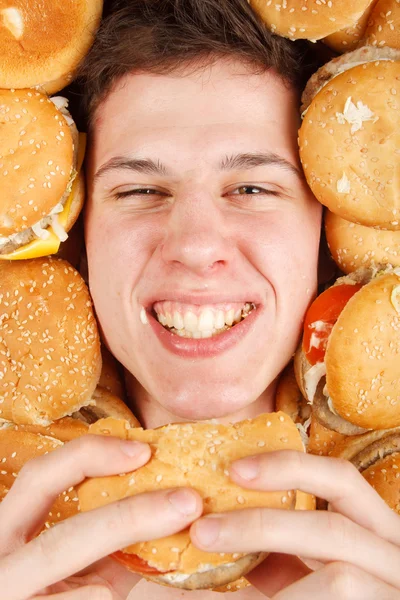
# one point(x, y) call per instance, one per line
point(139, 192)
point(252, 190)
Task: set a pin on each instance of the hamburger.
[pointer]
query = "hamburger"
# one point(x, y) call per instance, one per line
point(354, 246)
point(349, 38)
point(376, 455)
point(309, 19)
point(384, 25)
point(350, 136)
point(196, 455)
point(41, 44)
point(347, 366)
point(50, 359)
point(41, 155)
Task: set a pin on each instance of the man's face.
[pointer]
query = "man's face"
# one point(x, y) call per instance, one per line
point(196, 202)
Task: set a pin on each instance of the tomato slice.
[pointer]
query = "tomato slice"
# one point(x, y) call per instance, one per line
point(134, 563)
point(321, 317)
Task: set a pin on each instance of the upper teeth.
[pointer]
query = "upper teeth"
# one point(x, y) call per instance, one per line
point(207, 320)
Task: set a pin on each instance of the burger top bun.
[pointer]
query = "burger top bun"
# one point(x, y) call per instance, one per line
point(197, 455)
point(36, 149)
point(362, 356)
point(42, 45)
point(377, 456)
point(350, 144)
point(16, 448)
point(309, 19)
point(384, 24)
point(347, 39)
point(354, 246)
point(50, 358)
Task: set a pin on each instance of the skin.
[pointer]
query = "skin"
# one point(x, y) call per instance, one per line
point(199, 237)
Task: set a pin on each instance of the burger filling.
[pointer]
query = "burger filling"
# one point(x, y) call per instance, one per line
point(192, 321)
point(39, 229)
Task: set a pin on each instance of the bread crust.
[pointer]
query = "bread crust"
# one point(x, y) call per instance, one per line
point(57, 348)
point(195, 455)
point(352, 124)
point(58, 38)
point(354, 246)
point(309, 19)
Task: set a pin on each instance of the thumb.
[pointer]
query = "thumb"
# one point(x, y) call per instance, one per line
point(276, 572)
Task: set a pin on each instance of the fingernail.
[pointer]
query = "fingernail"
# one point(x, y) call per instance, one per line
point(247, 468)
point(183, 501)
point(207, 530)
point(131, 448)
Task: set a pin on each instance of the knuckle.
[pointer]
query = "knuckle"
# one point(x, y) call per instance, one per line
point(344, 580)
point(340, 530)
point(126, 514)
point(52, 543)
point(31, 471)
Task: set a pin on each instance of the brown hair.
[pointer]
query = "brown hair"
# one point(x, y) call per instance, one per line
point(164, 36)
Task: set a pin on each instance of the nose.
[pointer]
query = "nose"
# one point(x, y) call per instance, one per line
point(196, 235)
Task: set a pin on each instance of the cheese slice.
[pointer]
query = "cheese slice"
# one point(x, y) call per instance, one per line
point(39, 247)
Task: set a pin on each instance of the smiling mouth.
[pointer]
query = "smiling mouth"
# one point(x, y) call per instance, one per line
point(200, 321)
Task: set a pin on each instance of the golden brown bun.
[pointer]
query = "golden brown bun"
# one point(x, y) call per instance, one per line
point(309, 19)
point(57, 347)
point(71, 250)
point(348, 38)
point(377, 456)
point(289, 398)
point(35, 174)
point(58, 36)
point(235, 586)
point(104, 404)
point(362, 356)
point(195, 455)
point(353, 246)
point(384, 25)
point(353, 171)
point(16, 448)
point(64, 430)
point(321, 439)
point(110, 378)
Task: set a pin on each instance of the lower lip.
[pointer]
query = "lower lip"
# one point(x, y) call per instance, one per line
point(205, 347)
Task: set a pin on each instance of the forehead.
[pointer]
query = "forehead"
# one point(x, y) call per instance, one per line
point(224, 98)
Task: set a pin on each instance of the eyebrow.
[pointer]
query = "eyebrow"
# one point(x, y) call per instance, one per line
point(246, 160)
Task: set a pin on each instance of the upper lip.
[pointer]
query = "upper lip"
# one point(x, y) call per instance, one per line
point(200, 298)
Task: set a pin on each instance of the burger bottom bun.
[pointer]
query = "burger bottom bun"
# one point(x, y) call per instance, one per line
point(330, 420)
point(105, 404)
point(218, 576)
point(235, 586)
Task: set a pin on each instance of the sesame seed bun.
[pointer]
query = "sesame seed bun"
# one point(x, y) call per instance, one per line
point(362, 356)
point(349, 144)
point(354, 246)
point(322, 440)
point(195, 455)
point(384, 25)
point(16, 448)
point(50, 358)
point(347, 39)
point(377, 456)
point(309, 19)
point(57, 37)
point(38, 157)
point(235, 586)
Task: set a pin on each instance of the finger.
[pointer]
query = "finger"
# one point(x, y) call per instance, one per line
point(110, 571)
point(319, 475)
point(276, 572)
point(329, 536)
point(44, 478)
point(339, 581)
point(73, 544)
point(89, 592)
